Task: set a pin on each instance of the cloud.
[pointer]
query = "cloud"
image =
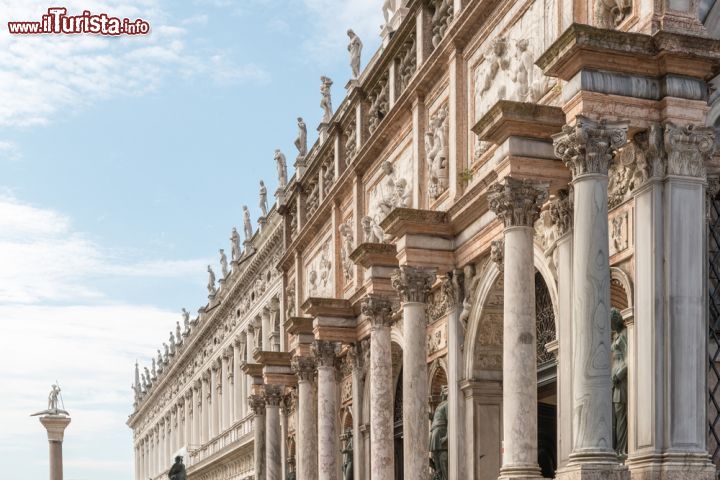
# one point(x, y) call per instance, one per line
point(9, 151)
point(45, 76)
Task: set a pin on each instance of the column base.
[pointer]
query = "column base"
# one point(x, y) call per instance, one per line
point(671, 467)
point(520, 472)
point(598, 470)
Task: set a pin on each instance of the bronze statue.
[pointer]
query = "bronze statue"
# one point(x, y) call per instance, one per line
point(439, 439)
point(347, 451)
point(177, 471)
point(619, 381)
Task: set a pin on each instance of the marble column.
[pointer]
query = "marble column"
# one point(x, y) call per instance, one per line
point(360, 365)
point(517, 204)
point(587, 149)
point(238, 381)
point(188, 417)
point(266, 330)
point(257, 405)
point(225, 390)
point(306, 444)
point(215, 392)
point(378, 310)
point(205, 427)
point(197, 413)
point(273, 441)
point(561, 217)
point(55, 426)
point(453, 287)
point(328, 407)
point(413, 285)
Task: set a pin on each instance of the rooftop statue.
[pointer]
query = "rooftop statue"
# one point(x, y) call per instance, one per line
point(355, 48)
point(186, 321)
point(388, 9)
point(211, 281)
point(301, 140)
point(247, 224)
point(235, 244)
point(223, 263)
point(263, 199)
point(326, 102)
point(281, 164)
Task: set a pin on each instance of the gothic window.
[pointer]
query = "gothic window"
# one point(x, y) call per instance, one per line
point(545, 320)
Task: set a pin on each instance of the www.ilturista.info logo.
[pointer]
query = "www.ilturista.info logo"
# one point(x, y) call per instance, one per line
point(57, 21)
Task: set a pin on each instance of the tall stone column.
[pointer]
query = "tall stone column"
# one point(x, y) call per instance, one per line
point(238, 382)
point(197, 413)
point(55, 426)
point(561, 216)
point(273, 441)
point(306, 444)
point(225, 389)
point(413, 285)
point(358, 353)
point(517, 204)
point(188, 417)
point(453, 286)
point(328, 435)
point(266, 330)
point(378, 310)
point(257, 405)
point(587, 149)
point(205, 427)
point(215, 389)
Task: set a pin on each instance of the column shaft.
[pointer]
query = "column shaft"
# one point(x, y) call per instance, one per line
point(225, 399)
point(257, 404)
point(273, 454)
point(328, 435)
point(306, 445)
point(238, 382)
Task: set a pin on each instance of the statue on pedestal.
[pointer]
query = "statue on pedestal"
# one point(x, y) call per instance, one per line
point(223, 263)
point(355, 48)
point(52, 408)
point(177, 471)
point(301, 140)
point(439, 439)
point(326, 102)
point(347, 451)
point(247, 224)
point(186, 321)
point(211, 281)
point(388, 9)
point(235, 243)
point(263, 199)
point(619, 382)
point(281, 164)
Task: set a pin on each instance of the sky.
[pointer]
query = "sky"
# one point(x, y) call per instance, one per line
point(124, 165)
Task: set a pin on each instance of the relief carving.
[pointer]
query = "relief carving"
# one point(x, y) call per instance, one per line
point(346, 248)
point(437, 153)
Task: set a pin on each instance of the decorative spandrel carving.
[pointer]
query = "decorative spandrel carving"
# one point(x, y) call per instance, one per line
point(328, 173)
point(442, 12)
point(347, 245)
point(350, 135)
point(588, 146)
point(320, 278)
point(497, 252)
point(517, 202)
point(561, 212)
point(436, 151)
point(619, 232)
point(611, 13)
point(437, 339)
point(407, 62)
point(442, 300)
point(688, 148)
point(312, 200)
point(650, 157)
point(379, 103)
point(413, 284)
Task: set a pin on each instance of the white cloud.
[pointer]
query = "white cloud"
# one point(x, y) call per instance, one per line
point(45, 75)
point(9, 151)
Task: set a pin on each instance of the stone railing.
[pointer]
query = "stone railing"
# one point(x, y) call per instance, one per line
point(237, 434)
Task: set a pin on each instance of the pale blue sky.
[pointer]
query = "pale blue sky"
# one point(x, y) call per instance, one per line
point(124, 163)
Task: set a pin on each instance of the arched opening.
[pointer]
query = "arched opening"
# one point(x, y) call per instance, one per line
point(547, 379)
point(396, 352)
point(437, 383)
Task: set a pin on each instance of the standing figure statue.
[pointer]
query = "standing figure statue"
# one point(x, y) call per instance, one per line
point(388, 8)
point(177, 471)
point(52, 403)
point(263, 199)
point(223, 263)
point(619, 382)
point(301, 140)
point(326, 102)
point(211, 281)
point(178, 333)
point(247, 224)
point(347, 451)
point(439, 439)
point(235, 244)
point(355, 48)
point(281, 168)
point(186, 320)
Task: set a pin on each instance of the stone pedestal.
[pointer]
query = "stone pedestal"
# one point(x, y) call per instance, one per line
point(55, 426)
point(413, 285)
point(517, 203)
point(328, 435)
point(378, 310)
point(306, 448)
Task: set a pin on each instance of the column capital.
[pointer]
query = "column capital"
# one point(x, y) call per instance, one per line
point(588, 146)
point(517, 202)
point(273, 395)
point(326, 353)
point(688, 147)
point(561, 213)
point(304, 367)
point(257, 404)
point(413, 284)
point(377, 309)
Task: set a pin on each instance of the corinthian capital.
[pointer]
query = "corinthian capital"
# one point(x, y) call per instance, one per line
point(326, 353)
point(273, 395)
point(517, 202)
point(561, 213)
point(688, 148)
point(588, 146)
point(377, 309)
point(304, 368)
point(413, 284)
point(257, 404)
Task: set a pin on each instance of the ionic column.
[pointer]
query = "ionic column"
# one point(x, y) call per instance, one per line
point(378, 310)
point(413, 285)
point(517, 204)
point(587, 149)
point(215, 389)
point(257, 405)
point(273, 441)
point(225, 393)
point(205, 394)
point(238, 381)
point(328, 435)
point(306, 437)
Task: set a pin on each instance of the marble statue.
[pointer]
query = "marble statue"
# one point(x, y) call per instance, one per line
point(497, 63)
point(347, 451)
point(166, 356)
point(281, 168)
point(388, 9)
point(371, 232)
point(326, 102)
point(178, 333)
point(52, 408)
point(439, 439)
point(148, 378)
point(436, 152)
point(172, 344)
point(223, 263)
point(177, 471)
point(301, 140)
point(247, 224)
point(235, 244)
point(211, 281)
point(159, 360)
point(355, 48)
point(347, 247)
point(154, 368)
point(619, 382)
point(263, 199)
point(186, 321)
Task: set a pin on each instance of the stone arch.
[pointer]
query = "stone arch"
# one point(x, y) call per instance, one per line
point(438, 379)
point(621, 290)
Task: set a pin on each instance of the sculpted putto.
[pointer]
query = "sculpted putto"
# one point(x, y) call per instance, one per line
point(326, 101)
point(355, 48)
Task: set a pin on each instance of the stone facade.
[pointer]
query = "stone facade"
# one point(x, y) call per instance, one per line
point(500, 177)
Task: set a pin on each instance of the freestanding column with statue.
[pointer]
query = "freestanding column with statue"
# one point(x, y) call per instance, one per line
point(587, 148)
point(55, 421)
point(517, 203)
point(413, 285)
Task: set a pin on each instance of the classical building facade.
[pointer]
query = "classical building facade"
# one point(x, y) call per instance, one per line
point(499, 260)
